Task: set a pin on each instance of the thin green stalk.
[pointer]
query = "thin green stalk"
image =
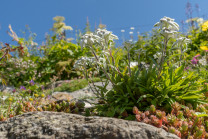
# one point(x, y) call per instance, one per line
point(129, 64)
point(163, 55)
point(104, 70)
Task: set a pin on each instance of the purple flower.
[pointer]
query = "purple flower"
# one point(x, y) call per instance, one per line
point(48, 96)
point(194, 61)
point(42, 87)
point(14, 91)
point(22, 88)
point(32, 82)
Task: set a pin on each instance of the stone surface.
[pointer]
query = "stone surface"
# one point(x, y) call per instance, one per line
point(85, 92)
point(44, 101)
point(58, 125)
point(61, 96)
point(7, 89)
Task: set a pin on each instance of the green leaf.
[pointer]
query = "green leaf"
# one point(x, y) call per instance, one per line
point(140, 98)
point(87, 112)
point(154, 102)
point(130, 93)
point(179, 70)
point(154, 61)
point(201, 114)
point(130, 117)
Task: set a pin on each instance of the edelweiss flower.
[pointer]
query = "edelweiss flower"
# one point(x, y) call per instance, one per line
point(105, 35)
point(203, 61)
point(167, 33)
point(88, 39)
point(133, 64)
point(168, 23)
point(83, 61)
point(157, 55)
point(200, 20)
point(181, 40)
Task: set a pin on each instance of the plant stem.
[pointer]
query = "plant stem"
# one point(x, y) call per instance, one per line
point(104, 70)
point(181, 56)
point(163, 55)
point(129, 64)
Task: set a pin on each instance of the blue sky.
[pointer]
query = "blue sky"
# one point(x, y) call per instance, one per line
point(116, 14)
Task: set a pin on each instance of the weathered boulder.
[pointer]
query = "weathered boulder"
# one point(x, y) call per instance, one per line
point(61, 96)
point(58, 125)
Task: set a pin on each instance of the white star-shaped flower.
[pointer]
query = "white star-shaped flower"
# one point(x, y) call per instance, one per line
point(168, 23)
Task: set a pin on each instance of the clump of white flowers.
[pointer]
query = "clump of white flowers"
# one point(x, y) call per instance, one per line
point(100, 37)
point(203, 61)
point(168, 28)
point(168, 23)
point(83, 62)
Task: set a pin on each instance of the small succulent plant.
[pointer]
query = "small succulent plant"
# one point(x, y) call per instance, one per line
point(152, 109)
point(175, 107)
point(72, 104)
point(201, 108)
point(80, 105)
point(76, 110)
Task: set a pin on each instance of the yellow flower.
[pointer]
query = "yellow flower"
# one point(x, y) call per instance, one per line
point(205, 26)
point(30, 99)
point(42, 95)
point(36, 95)
point(204, 47)
point(10, 99)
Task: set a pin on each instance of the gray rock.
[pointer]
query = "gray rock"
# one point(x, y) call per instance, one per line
point(87, 91)
point(7, 89)
point(58, 125)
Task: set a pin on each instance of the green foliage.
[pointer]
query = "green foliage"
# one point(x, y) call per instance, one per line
point(143, 88)
point(16, 71)
point(73, 85)
point(60, 59)
point(199, 38)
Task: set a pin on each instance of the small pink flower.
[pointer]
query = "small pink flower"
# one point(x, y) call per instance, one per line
point(197, 56)
point(186, 68)
point(194, 61)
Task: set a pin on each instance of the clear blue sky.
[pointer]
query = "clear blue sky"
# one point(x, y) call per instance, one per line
point(116, 14)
